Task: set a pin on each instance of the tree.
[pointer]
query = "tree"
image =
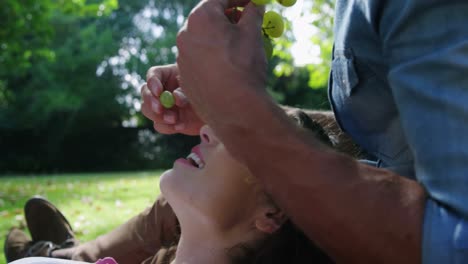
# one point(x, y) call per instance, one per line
point(70, 73)
point(82, 88)
point(290, 84)
point(27, 37)
point(323, 11)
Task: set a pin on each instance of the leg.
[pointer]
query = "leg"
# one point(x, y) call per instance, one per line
point(133, 242)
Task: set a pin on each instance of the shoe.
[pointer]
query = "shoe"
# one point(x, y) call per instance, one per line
point(46, 223)
point(18, 245)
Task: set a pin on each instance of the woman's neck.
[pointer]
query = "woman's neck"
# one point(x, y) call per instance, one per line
point(202, 249)
point(201, 243)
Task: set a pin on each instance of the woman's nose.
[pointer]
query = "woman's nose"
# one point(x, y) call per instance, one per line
point(207, 135)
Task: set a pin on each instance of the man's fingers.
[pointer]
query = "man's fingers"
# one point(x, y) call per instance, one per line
point(180, 126)
point(234, 3)
point(162, 78)
point(156, 106)
point(164, 128)
point(217, 7)
point(180, 98)
point(145, 92)
point(252, 18)
point(150, 114)
point(150, 101)
point(143, 87)
point(155, 86)
point(170, 117)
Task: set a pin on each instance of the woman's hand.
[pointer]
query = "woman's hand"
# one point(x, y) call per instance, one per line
point(222, 65)
point(179, 119)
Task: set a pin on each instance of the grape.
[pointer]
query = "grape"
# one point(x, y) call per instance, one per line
point(273, 24)
point(287, 2)
point(167, 99)
point(272, 27)
point(267, 46)
point(260, 2)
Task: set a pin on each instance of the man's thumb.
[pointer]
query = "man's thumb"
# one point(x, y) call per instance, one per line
point(252, 17)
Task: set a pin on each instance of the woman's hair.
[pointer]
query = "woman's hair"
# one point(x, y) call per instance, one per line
point(289, 244)
point(327, 130)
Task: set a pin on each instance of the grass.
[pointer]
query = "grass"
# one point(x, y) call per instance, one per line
point(93, 203)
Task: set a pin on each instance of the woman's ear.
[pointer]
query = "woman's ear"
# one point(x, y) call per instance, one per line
point(270, 220)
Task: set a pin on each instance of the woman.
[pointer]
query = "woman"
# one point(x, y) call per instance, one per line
point(224, 215)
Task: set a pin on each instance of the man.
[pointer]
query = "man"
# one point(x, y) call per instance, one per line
point(397, 86)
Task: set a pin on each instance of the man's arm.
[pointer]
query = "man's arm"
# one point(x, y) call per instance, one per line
point(426, 43)
point(358, 214)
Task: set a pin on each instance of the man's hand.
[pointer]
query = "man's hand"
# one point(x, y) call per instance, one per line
point(221, 64)
point(179, 119)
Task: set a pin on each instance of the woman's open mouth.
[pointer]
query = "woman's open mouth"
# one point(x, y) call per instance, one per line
point(195, 158)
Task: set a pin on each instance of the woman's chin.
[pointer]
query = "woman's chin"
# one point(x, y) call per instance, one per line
point(173, 182)
point(174, 188)
point(165, 181)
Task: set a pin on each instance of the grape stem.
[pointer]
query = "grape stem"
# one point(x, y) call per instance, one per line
point(269, 22)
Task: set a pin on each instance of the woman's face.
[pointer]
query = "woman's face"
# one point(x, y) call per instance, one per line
point(210, 185)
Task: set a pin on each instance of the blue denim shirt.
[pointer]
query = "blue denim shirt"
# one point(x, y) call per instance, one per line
point(399, 87)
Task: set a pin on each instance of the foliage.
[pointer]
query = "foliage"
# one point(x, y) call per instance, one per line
point(70, 73)
point(88, 86)
point(25, 29)
point(82, 41)
point(89, 201)
point(323, 12)
point(290, 84)
point(320, 13)
point(292, 90)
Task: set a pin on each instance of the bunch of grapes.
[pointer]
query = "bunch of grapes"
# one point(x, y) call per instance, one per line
point(272, 27)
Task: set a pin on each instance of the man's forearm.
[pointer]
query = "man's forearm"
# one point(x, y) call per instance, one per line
point(357, 213)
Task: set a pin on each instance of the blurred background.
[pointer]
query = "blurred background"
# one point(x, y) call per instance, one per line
point(70, 72)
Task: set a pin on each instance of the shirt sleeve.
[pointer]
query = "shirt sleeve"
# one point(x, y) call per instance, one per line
point(426, 45)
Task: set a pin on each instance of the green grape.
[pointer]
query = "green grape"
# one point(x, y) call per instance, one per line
point(267, 46)
point(167, 99)
point(273, 24)
point(287, 2)
point(260, 2)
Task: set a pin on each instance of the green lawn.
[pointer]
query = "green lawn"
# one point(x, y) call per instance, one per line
point(93, 203)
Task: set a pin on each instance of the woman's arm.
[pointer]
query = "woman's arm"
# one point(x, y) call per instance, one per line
point(134, 241)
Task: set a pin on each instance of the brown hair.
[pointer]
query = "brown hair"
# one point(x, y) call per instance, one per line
point(289, 244)
point(324, 122)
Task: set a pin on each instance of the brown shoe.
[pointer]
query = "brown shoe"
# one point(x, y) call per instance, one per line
point(46, 223)
point(18, 245)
